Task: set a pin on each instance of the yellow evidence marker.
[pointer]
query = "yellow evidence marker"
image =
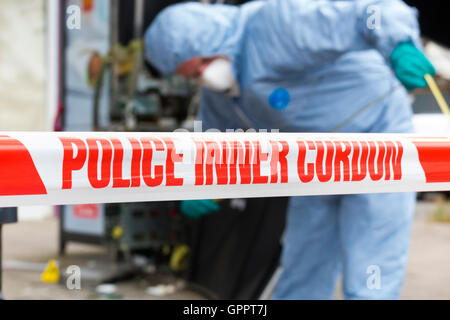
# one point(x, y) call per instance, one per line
point(51, 272)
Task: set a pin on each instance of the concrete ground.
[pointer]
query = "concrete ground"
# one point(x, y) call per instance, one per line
point(428, 275)
point(29, 245)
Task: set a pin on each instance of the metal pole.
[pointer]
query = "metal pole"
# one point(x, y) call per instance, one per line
point(7, 215)
point(138, 18)
point(1, 265)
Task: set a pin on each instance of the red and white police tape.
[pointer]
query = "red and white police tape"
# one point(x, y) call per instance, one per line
point(99, 167)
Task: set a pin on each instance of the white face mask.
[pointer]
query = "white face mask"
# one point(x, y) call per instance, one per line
point(218, 76)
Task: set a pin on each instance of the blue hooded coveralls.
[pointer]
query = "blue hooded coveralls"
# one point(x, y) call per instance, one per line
point(308, 66)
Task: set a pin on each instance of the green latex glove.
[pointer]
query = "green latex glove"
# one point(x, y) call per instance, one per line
point(410, 66)
point(197, 208)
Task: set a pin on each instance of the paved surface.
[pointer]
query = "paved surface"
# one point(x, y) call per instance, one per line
point(29, 245)
point(428, 275)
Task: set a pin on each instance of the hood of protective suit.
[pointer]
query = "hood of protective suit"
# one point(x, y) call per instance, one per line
point(188, 30)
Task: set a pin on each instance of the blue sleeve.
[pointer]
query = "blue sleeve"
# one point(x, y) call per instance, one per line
point(301, 33)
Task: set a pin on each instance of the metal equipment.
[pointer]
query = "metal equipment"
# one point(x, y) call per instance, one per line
point(123, 228)
point(114, 91)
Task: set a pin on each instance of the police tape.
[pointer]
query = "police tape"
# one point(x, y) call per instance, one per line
point(100, 167)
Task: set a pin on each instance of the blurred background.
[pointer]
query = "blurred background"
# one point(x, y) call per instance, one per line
point(54, 76)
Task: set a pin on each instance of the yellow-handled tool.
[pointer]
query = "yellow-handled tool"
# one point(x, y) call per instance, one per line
point(437, 94)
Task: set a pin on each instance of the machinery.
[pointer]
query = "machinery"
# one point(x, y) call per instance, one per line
point(124, 228)
point(107, 87)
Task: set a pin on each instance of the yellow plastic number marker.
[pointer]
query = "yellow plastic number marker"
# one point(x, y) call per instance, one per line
point(437, 94)
point(51, 272)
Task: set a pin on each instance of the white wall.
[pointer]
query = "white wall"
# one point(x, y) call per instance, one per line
point(23, 74)
point(22, 65)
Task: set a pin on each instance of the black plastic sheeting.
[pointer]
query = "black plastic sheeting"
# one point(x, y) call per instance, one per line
point(235, 253)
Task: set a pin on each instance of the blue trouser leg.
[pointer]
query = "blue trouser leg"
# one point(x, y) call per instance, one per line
point(368, 234)
point(374, 234)
point(310, 258)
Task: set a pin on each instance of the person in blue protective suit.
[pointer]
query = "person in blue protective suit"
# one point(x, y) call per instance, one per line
point(309, 66)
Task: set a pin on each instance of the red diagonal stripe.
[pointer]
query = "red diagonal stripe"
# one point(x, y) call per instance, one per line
point(434, 157)
point(18, 174)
